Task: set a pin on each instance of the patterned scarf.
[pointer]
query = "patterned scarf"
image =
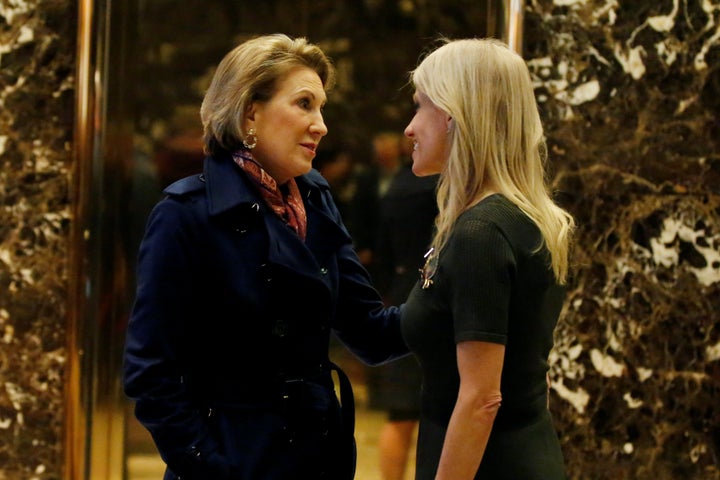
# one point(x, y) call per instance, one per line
point(285, 202)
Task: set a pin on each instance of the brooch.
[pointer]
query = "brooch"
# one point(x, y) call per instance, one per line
point(428, 270)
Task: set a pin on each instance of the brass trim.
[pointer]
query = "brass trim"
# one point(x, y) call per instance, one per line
point(514, 16)
point(76, 405)
point(95, 420)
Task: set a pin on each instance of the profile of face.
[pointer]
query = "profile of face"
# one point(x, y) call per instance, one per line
point(290, 125)
point(428, 131)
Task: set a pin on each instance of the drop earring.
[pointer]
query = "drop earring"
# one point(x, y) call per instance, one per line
point(250, 140)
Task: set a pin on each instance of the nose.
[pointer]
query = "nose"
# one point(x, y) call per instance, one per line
point(408, 131)
point(318, 127)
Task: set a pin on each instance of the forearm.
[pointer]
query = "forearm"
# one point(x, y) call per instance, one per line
point(467, 437)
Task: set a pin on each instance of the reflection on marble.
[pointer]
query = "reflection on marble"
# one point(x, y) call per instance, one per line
point(36, 115)
point(629, 92)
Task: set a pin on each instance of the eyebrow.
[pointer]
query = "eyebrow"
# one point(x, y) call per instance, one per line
point(308, 91)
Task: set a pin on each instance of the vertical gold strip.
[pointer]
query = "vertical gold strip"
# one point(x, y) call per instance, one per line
point(95, 420)
point(76, 418)
point(514, 24)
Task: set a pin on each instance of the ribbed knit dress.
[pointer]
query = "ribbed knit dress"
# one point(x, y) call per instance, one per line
point(490, 284)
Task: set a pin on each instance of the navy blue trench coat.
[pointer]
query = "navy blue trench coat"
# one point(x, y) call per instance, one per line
point(226, 354)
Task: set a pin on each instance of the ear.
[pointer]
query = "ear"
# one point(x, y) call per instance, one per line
point(250, 112)
point(449, 123)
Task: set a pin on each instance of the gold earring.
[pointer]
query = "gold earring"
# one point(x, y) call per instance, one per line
point(250, 140)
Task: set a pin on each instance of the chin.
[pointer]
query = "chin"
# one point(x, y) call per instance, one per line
point(302, 171)
point(420, 171)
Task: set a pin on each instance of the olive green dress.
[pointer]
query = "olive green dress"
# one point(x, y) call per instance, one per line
point(489, 284)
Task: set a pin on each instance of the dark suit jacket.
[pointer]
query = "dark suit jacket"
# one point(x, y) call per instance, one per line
point(231, 305)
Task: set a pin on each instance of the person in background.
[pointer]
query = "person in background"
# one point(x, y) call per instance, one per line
point(336, 166)
point(481, 319)
point(371, 183)
point(406, 214)
point(244, 272)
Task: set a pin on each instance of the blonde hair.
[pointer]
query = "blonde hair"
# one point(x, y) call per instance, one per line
point(249, 73)
point(496, 138)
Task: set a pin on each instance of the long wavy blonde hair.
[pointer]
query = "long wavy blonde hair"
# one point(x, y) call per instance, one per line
point(496, 138)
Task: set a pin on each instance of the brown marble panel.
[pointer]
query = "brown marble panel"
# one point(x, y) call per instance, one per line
point(630, 85)
point(629, 93)
point(36, 99)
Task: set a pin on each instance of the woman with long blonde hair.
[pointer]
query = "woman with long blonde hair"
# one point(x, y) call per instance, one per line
point(481, 319)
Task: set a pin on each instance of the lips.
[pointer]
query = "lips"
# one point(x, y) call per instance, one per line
point(310, 146)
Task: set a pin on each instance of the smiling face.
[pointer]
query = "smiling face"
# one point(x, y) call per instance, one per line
point(290, 125)
point(428, 131)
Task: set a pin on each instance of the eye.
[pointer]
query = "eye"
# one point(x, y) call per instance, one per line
point(305, 103)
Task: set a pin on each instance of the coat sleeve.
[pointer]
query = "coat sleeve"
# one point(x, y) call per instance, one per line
point(368, 328)
point(362, 322)
point(156, 347)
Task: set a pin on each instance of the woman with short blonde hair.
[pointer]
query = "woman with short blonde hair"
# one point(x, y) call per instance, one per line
point(244, 273)
point(249, 73)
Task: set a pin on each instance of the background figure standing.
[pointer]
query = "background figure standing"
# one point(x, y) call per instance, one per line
point(336, 166)
point(371, 183)
point(406, 216)
point(402, 230)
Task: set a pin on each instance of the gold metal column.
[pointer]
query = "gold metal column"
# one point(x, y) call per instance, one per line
point(505, 21)
point(94, 428)
point(513, 33)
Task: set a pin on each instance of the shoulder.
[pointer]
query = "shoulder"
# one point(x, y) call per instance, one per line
point(184, 202)
point(185, 186)
point(496, 210)
point(496, 221)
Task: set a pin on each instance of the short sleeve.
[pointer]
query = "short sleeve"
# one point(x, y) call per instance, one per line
point(480, 266)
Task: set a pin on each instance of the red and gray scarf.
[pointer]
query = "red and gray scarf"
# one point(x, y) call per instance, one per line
point(285, 202)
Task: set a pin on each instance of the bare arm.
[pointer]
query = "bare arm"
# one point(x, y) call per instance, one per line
point(480, 367)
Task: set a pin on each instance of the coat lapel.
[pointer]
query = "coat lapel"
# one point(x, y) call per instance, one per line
point(228, 187)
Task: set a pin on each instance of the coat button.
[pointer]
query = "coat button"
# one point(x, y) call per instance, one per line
point(265, 272)
point(280, 329)
point(324, 271)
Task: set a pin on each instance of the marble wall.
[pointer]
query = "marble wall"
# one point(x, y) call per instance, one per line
point(630, 92)
point(37, 61)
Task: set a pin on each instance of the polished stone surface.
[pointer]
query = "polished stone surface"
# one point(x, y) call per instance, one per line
point(630, 95)
point(37, 45)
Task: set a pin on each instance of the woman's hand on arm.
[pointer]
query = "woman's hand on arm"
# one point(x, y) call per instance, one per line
point(480, 366)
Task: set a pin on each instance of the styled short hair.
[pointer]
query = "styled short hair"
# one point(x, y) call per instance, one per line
point(248, 73)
